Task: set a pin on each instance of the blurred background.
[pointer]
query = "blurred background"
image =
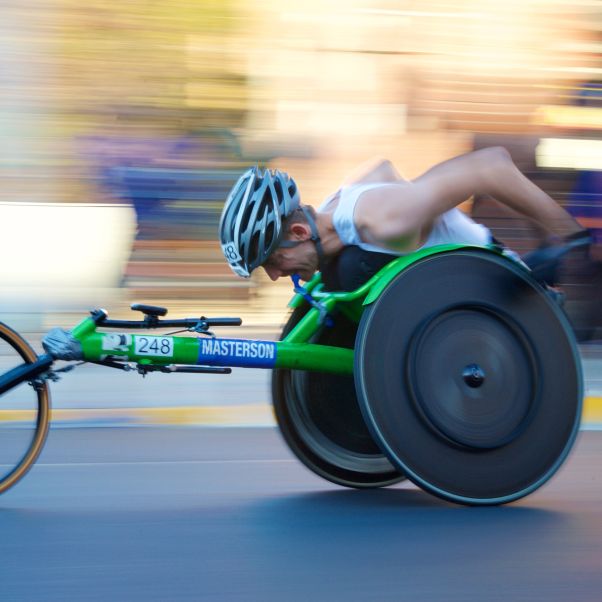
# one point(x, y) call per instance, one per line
point(124, 124)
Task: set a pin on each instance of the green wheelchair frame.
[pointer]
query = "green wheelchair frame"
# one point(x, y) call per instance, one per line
point(355, 374)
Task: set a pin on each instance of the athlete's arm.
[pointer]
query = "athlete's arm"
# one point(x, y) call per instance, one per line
point(396, 215)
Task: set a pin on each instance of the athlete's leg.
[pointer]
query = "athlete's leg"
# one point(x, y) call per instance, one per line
point(488, 171)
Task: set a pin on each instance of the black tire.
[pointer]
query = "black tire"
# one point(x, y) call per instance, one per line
point(477, 391)
point(320, 420)
point(24, 413)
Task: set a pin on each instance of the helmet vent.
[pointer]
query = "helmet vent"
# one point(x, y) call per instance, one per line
point(246, 218)
point(269, 232)
point(278, 189)
point(254, 245)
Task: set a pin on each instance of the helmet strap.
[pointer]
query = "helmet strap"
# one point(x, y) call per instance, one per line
point(315, 237)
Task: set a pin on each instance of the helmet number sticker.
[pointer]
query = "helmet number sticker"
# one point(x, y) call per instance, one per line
point(231, 252)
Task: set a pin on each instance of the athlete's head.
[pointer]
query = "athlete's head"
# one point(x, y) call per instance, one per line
point(261, 209)
point(251, 224)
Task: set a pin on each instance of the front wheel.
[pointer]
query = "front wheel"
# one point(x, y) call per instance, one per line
point(24, 412)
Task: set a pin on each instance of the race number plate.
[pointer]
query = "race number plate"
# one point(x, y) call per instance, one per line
point(154, 346)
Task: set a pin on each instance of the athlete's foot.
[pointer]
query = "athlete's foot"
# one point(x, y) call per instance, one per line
point(581, 237)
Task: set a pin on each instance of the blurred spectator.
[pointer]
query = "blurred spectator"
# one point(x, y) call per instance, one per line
point(177, 184)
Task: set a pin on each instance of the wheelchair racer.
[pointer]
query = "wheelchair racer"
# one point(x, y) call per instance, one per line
point(379, 216)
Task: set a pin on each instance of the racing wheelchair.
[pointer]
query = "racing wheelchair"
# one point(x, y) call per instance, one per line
point(451, 366)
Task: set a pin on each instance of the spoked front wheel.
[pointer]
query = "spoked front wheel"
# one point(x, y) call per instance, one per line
point(24, 412)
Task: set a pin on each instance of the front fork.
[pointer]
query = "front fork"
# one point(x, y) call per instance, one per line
point(25, 373)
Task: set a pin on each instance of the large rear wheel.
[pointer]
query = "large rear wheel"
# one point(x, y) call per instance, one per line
point(469, 378)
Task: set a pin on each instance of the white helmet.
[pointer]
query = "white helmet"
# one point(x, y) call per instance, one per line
point(250, 227)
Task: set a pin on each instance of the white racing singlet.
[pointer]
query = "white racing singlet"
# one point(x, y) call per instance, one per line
point(452, 227)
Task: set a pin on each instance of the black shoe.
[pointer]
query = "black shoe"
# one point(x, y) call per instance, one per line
point(583, 238)
point(545, 261)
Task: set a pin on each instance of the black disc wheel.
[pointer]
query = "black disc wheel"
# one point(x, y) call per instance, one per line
point(24, 412)
point(468, 377)
point(319, 417)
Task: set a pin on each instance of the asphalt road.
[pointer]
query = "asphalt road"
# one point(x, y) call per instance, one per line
point(228, 514)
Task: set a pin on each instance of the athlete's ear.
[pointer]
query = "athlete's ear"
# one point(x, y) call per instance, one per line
point(300, 231)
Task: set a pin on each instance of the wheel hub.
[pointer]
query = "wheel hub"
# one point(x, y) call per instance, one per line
point(473, 375)
point(472, 378)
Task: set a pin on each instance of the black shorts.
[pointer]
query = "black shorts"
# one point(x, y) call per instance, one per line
point(352, 267)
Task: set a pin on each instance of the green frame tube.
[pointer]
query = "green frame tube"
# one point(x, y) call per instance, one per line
point(234, 353)
point(294, 352)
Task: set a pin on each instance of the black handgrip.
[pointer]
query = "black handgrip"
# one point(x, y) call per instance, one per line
point(222, 321)
point(149, 310)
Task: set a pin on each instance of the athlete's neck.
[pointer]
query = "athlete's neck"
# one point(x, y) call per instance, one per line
point(331, 243)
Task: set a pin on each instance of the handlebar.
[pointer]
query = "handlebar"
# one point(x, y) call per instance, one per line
point(25, 372)
point(152, 320)
point(178, 323)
